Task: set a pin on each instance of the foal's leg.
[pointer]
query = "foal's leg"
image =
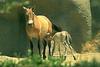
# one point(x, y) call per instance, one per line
point(59, 49)
point(65, 51)
point(53, 47)
point(31, 47)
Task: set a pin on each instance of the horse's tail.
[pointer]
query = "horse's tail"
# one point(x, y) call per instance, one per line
point(56, 28)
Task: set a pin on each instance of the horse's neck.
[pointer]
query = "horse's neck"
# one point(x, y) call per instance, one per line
point(36, 21)
point(34, 16)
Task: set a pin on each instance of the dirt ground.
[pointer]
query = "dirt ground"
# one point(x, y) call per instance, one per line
point(82, 57)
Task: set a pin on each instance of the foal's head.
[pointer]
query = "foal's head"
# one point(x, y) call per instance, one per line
point(30, 15)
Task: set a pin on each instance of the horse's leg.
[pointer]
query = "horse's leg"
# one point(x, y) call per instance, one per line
point(31, 47)
point(49, 45)
point(44, 44)
point(39, 47)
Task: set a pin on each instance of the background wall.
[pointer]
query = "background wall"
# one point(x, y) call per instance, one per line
point(73, 16)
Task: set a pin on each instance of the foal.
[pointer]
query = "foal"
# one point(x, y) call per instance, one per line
point(62, 38)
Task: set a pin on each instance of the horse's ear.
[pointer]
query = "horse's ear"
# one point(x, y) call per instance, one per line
point(31, 8)
point(24, 8)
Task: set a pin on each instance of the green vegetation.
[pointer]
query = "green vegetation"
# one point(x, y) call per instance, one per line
point(7, 63)
point(6, 6)
point(87, 64)
point(35, 61)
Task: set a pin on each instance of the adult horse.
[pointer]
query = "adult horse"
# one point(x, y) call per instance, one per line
point(38, 26)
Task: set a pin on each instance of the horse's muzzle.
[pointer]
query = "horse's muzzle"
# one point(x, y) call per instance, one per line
point(30, 24)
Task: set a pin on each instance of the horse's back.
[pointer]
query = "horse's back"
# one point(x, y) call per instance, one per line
point(46, 25)
point(61, 35)
point(44, 18)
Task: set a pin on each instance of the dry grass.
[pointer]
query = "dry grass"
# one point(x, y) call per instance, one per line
point(82, 57)
point(14, 59)
point(93, 45)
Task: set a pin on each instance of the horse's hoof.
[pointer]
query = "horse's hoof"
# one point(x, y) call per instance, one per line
point(44, 57)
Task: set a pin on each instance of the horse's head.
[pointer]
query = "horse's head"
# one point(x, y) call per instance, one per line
point(30, 14)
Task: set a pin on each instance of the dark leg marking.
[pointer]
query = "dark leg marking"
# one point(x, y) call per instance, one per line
point(31, 47)
point(39, 47)
point(49, 45)
point(44, 44)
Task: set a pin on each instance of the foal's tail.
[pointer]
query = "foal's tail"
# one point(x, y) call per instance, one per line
point(69, 39)
point(56, 27)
